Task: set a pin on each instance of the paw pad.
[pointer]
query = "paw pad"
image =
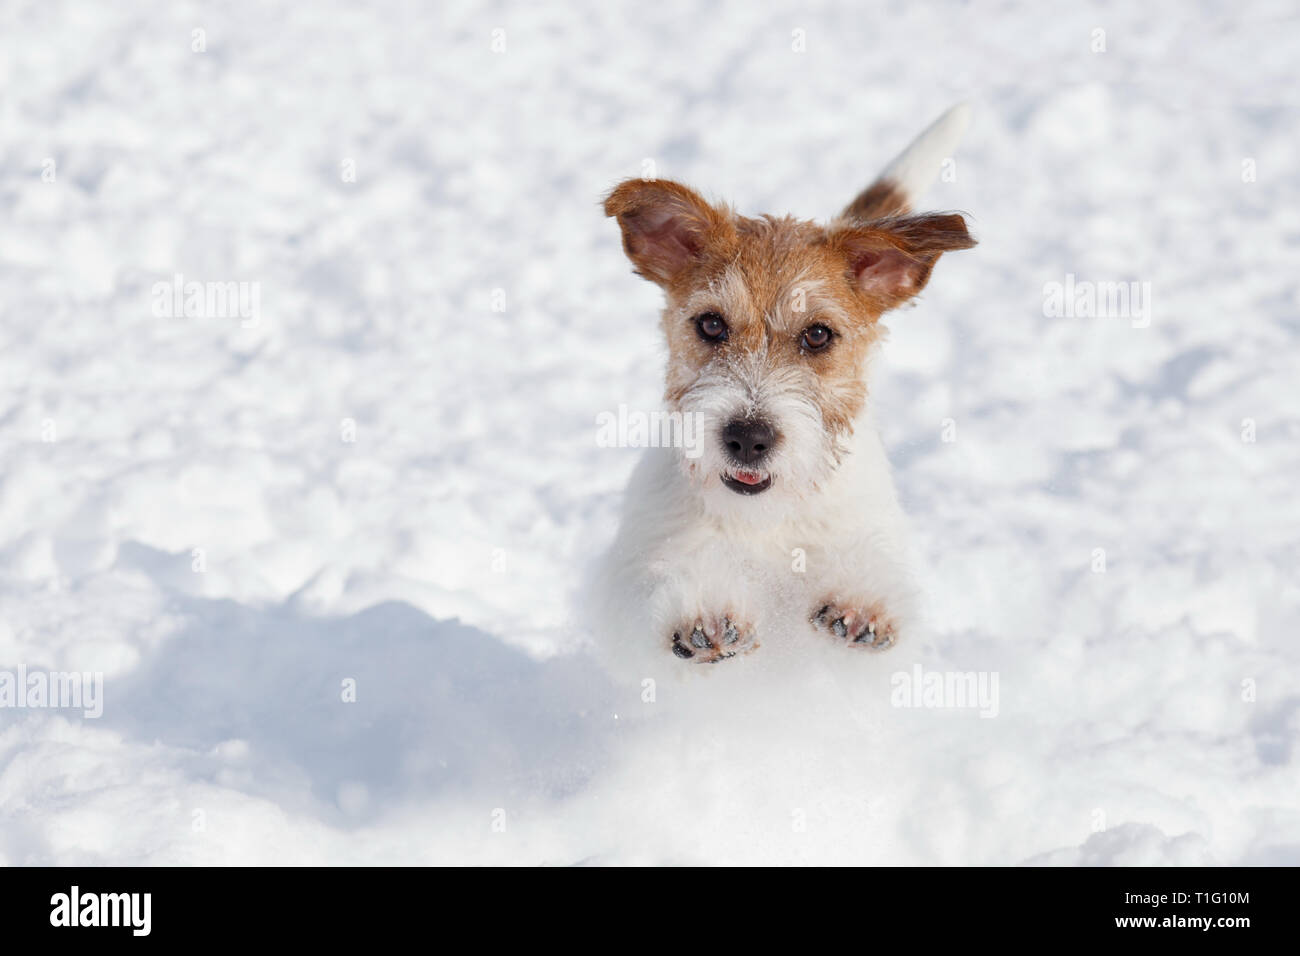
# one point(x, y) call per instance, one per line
point(870, 629)
point(707, 642)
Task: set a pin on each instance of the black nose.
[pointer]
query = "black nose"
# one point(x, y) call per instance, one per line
point(749, 442)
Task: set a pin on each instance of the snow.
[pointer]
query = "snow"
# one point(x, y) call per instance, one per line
point(389, 485)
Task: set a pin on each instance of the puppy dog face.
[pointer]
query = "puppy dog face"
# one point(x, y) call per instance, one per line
point(770, 323)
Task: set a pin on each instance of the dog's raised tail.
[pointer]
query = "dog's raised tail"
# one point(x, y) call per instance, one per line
point(896, 190)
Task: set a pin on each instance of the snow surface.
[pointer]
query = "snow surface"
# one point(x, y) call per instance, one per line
point(1147, 714)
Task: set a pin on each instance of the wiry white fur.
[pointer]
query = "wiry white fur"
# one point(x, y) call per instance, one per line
point(754, 387)
point(690, 549)
point(685, 553)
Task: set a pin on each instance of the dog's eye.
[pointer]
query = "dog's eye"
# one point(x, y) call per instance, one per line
point(816, 337)
point(711, 326)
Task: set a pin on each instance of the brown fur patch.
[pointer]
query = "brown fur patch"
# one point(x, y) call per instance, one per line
point(882, 198)
point(780, 278)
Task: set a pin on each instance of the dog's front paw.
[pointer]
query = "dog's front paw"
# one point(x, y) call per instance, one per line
point(711, 638)
point(858, 624)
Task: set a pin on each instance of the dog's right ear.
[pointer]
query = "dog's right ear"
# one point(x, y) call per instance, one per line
point(668, 229)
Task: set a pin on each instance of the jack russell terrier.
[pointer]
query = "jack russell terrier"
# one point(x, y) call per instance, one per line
point(785, 522)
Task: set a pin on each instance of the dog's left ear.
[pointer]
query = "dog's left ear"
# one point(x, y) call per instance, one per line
point(890, 260)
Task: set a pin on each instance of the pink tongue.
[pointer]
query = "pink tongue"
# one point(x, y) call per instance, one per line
point(747, 477)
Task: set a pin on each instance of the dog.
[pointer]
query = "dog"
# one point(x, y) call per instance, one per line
point(786, 521)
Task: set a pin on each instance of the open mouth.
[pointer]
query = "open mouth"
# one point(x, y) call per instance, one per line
point(747, 482)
